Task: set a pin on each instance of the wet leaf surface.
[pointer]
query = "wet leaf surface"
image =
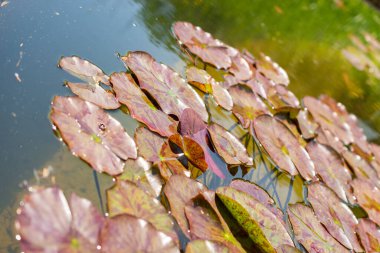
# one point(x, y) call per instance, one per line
point(247, 105)
point(283, 147)
point(169, 164)
point(337, 218)
point(240, 67)
point(92, 134)
point(327, 138)
point(149, 144)
point(46, 223)
point(287, 249)
point(139, 105)
point(83, 69)
point(306, 124)
point(94, 94)
point(369, 235)
point(205, 246)
point(272, 70)
point(331, 168)
point(167, 87)
point(191, 123)
point(179, 190)
point(202, 44)
point(360, 167)
point(309, 232)
point(128, 198)
point(125, 233)
point(368, 196)
point(262, 226)
point(228, 146)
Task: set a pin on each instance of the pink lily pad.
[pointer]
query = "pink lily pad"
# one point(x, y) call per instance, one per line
point(272, 70)
point(306, 124)
point(149, 144)
point(206, 246)
point(369, 235)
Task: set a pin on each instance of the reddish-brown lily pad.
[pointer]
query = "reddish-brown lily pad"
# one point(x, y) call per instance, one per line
point(280, 97)
point(330, 166)
point(125, 233)
point(83, 69)
point(206, 246)
point(369, 235)
point(92, 134)
point(168, 88)
point(327, 138)
point(310, 233)
point(94, 94)
point(139, 105)
point(287, 249)
point(204, 81)
point(179, 190)
point(128, 198)
point(247, 105)
point(46, 223)
point(240, 67)
point(334, 215)
point(283, 147)
point(368, 196)
point(262, 226)
point(202, 44)
point(170, 165)
point(228, 146)
point(361, 167)
point(306, 124)
point(149, 144)
point(272, 70)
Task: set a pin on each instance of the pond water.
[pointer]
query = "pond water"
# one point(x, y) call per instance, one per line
point(306, 39)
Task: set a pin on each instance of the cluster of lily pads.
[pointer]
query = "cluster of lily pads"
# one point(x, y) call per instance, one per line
point(157, 204)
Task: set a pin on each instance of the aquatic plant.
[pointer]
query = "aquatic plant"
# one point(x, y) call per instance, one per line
point(158, 202)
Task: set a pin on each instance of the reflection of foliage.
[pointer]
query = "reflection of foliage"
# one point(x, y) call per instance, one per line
point(306, 38)
point(152, 200)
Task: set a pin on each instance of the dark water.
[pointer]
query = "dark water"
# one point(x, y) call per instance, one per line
point(305, 38)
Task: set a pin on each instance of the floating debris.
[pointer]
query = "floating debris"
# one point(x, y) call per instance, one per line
point(18, 77)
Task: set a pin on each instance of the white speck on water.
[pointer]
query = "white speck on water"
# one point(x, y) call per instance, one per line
point(134, 24)
point(57, 13)
point(13, 114)
point(18, 78)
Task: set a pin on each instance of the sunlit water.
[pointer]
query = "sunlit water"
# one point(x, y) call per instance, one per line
point(306, 39)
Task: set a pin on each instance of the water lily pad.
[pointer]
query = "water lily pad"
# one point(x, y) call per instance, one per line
point(283, 147)
point(272, 70)
point(325, 117)
point(327, 138)
point(287, 249)
point(204, 81)
point(375, 149)
point(369, 235)
point(240, 67)
point(46, 223)
point(125, 233)
point(368, 196)
point(202, 44)
point(149, 144)
point(92, 134)
point(361, 167)
point(94, 94)
point(170, 165)
point(228, 146)
point(280, 97)
point(191, 123)
point(330, 166)
point(141, 173)
point(338, 219)
point(83, 69)
point(128, 198)
point(247, 105)
point(179, 190)
point(206, 246)
point(262, 226)
point(139, 105)
point(260, 194)
point(207, 223)
point(170, 90)
point(310, 233)
point(306, 124)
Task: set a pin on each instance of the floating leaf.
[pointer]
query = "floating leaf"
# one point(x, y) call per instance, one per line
point(272, 70)
point(169, 164)
point(179, 190)
point(260, 194)
point(127, 198)
point(191, 123)
point(375, 149)
point(247, 105)
point(338, 219)
point(369, 235)
point(202, 44)
point(368, 196)
point(240, 67)
point(46, 223)
point(360, 167)
point(149, 144)
point(262, 226)
point(309, 232)
point(283, 147)
point(139, 105)
point(207, 223)
point(92, 134)
point(125, 233)
point(170, 90)
point(206, 246)
point(330, 166)
point(280, 97)
point(83, 69)
point(94, 94)
point(140, 172)
point(228, 146)
point(327, 138)
point(323, 115)
point(204, 81)
point(306, 124)
point(287, 249)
